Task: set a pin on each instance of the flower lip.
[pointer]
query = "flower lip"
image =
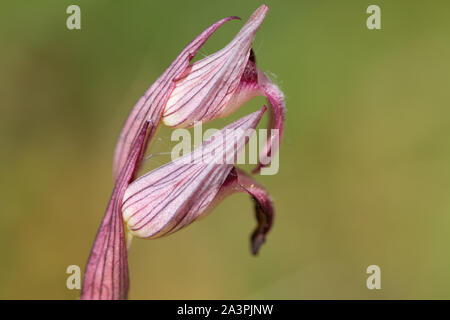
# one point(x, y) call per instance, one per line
point(239, 181)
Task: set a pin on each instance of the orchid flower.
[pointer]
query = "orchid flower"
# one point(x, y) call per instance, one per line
point(168, 199)
point(208, 89)
point(176, 194)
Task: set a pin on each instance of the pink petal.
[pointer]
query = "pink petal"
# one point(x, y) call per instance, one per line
point(205, 89)
point(151, 104)
point(174, 195)
point(106, 274)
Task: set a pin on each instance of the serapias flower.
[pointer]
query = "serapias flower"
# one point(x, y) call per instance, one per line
point(208, 89)
point(169, 198)
point(174, 195)
point(106, 273)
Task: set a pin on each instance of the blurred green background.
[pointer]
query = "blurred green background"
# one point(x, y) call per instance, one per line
point(364, 166)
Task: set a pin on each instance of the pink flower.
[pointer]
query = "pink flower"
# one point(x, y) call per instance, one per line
point(172, 196)
point(176, 194)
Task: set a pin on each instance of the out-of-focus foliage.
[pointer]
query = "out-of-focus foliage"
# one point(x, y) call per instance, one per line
point(364, 167)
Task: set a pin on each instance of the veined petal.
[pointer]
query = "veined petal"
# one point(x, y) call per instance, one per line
point(206, 87)
point(106, 274)
point(174, 195)
point(150, 106)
